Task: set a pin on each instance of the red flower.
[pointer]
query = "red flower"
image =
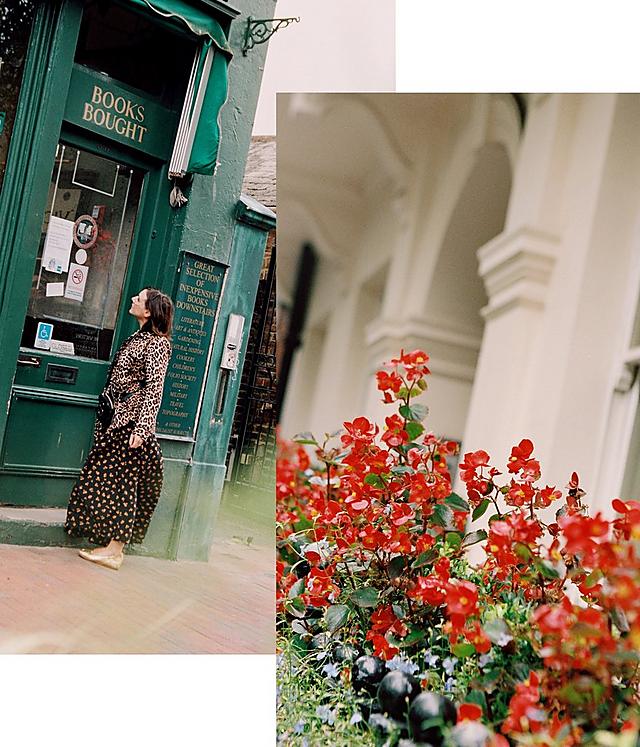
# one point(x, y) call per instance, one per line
point(442, 567)
point(520, 455)
point(477, 637)
point(322, 590)
point(395, 434)
point(401, 513)
point(428, 590)
point(546, 497)
point(469, 712)
point(462, 601)
point(423, 543)
point(381, 646)
point(414, 364)
point(388, 381)
point(384, 620)
point(520, 494)
point(360, 432)
point(371, 537)
point(524, 712)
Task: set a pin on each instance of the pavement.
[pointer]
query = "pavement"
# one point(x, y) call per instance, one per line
point(52, 601)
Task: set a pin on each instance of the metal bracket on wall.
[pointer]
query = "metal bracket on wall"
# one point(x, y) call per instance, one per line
point(260, 30)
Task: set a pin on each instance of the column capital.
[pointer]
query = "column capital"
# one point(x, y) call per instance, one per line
point(516, 268)
point(452, 352)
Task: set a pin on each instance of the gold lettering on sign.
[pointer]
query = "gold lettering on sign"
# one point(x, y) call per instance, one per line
point(115, 113)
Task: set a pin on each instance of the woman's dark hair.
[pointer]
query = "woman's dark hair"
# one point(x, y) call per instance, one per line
point(161, 308)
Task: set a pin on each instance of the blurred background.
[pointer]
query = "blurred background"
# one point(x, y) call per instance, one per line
point(499, 233)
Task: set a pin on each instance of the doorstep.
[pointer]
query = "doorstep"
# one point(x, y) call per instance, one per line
point(43, 527)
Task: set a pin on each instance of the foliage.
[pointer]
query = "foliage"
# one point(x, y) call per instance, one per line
point(541, 638)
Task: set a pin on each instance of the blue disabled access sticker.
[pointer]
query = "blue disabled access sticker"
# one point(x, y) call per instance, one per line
point(43, 336)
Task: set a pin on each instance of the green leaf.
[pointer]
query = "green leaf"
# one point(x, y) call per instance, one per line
point(477, 697)
point(593, 578)
point(545, 569)
point(305, 438)
point(456, 502)
point(413, 430)
point(373, 479)
point(399, 611)
point(495, 517)
point(522, 551)
point(416, 413)
point(425, 558)
point(480, 509)
point(336, 616)
point(402, 469)
point(296, 589)
point(453, 539)
point(365, 597)
point(474, 537)
point(442, 515)
point(302, 524)
point(396, 566)
point(417, 634)
point(462, 650)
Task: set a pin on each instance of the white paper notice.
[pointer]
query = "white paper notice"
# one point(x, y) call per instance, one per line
point(60, 346)
point(57, 245)
point(76, 282)
point(55, 289)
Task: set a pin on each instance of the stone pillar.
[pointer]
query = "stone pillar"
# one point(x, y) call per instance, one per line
point(545, 364)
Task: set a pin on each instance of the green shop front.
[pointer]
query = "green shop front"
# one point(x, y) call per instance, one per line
point(120, 168)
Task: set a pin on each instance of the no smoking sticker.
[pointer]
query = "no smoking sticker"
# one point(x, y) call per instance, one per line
point(76, 282)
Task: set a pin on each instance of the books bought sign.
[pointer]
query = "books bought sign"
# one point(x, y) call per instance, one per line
point(100, 104)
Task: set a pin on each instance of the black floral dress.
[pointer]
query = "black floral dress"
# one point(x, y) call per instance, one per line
point(119, 487)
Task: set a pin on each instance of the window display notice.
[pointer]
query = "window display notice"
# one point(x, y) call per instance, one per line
point(57, 245)
point(196, 307)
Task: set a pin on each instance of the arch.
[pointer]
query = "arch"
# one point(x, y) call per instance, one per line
point(457, 294)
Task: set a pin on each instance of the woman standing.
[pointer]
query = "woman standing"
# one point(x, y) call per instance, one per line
point(120, 483)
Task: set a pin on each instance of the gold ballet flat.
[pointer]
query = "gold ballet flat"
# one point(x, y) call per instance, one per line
point(108, 561)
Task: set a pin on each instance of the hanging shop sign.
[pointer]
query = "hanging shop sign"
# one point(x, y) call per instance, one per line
point(100, 104)
point(196, 308)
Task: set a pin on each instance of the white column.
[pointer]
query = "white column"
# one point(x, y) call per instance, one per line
point(541, 364)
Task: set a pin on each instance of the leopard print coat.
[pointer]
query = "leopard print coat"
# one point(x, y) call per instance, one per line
point(139, 368)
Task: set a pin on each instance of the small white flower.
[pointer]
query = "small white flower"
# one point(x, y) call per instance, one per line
point(404, 665)
point(485, 659)
point(326, 715)
point(299, 727)
point(356, 718)
point(431, 659)
point(449, 684)
point(504, 639)
point(449, 664)
point(331, 670)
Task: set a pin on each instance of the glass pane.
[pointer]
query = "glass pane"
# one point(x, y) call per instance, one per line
point(134, 49)
point(83, 253)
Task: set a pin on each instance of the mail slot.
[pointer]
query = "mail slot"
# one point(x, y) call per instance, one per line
point(61, 374)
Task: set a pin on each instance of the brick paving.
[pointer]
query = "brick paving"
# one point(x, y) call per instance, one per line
point(52, 601)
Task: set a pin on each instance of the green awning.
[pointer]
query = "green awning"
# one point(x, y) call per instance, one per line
point(198, 136)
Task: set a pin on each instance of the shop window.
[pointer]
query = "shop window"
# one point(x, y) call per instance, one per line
point(134, 49)
point(16, 18)
point(82, 259)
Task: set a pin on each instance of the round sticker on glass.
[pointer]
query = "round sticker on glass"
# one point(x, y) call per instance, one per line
point(81, 256)
point(85, 232)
